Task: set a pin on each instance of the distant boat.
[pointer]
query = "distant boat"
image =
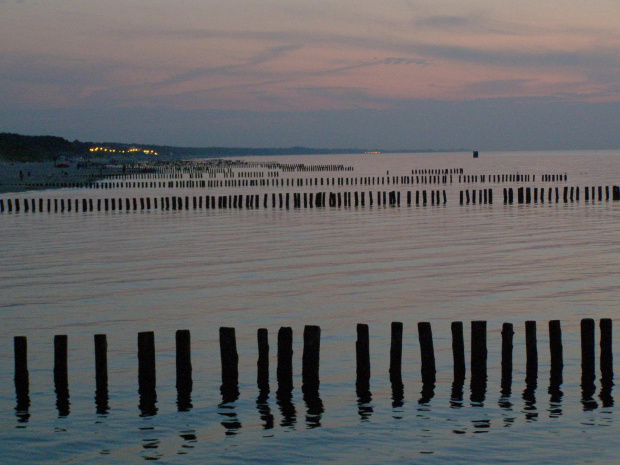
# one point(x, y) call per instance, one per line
point(475, 154)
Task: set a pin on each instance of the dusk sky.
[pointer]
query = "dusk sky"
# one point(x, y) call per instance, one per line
point(488, 75)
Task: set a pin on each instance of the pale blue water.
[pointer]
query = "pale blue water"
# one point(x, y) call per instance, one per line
point(120, 273)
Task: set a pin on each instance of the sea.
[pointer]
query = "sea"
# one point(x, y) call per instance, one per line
point(121, 273)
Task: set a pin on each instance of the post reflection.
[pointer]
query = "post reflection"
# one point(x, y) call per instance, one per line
point(227, 410)
point(262, 405)
point(314, 407)
point(456, 396)
point(529, 393)
point(22, 393)
point(555, 392)
point(398, 396)
point(189, 441)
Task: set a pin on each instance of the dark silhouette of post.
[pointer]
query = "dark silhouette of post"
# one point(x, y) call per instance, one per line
point(101, 374)
point(478, 361)
point(557, 367)
point(184, 370)
point(284, 394)
point(146, 374)
point(606, 360)
point(22, 378)
point(427, 353)
point(230, 365)
point(587, 364)
point(458, 350)
point(262, 377)
point(310, 359)
point(531, 350)
point(310, 375)
point(507, 346)
point(396, 350)
point(61, 377)
point(362, 383)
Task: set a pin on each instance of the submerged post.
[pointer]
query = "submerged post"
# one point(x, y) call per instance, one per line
point(396, 350)
point(587, 350)
point(101, 374)
point(427, 352)
point(310, 358)
point(262, 378)
point(458, 350)
point(362, 356)
point(285, 359)
point(183, 369)
point(61, 378)
point(230, 364)
point(478, 360)
point(146, 373)
point(22, 378)
point(507, 336)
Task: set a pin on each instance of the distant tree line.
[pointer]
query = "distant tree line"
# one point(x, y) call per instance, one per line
point(15, 147)
point(20, 148)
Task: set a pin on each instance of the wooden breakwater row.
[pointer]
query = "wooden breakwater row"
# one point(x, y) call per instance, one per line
point(229, 358)
point(235, 201)
point(567, 194)
point(177, 181)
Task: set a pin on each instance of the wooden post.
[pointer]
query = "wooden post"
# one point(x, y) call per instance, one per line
point(507, 336)
point(606, 357)
point(101, 374)
point(478, 360)
point(184, 370)
point(285, 359)
point(396, 350)
point(310, 359)
point(61, 378)
point(362, 357)
point(606, 362)
point(556, 349)
point(230, 364)
point(427, 352)
point(458, 350)
point(146, 373)
point(22, 378)
point(587, 350)
point(262, 379)
point(531, 351)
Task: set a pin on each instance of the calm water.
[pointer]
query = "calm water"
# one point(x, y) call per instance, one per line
point(120, 273)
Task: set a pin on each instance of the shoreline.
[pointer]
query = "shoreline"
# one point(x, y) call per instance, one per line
point(18, 177)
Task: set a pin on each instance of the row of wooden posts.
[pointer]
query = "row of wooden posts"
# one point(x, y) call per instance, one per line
point(528, 194)
point(281, 200)
point(311, 361)
point(158, 181)
point(306, 200)
point(524, 194)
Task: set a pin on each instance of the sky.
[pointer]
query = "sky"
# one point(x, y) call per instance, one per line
point(415, 74)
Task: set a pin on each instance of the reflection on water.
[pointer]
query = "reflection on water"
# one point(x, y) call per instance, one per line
point(61, 387)
point(314, 408)
point(427, 393)
point(398, 394)
point(456, 396)
point(264, 410)
point(230, 420)
point(189, 441)
point(22, 393)
point(150, 444)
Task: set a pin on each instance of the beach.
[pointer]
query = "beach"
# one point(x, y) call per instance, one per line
point(22, 177)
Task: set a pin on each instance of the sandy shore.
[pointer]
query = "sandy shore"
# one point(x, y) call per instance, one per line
point(20, 177)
